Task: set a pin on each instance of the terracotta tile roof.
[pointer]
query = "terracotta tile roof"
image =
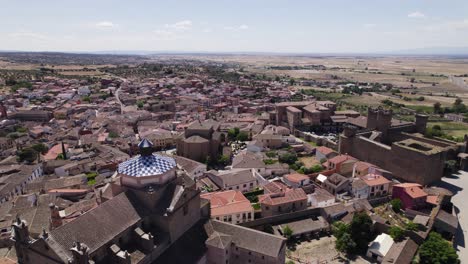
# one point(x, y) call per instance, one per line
point(291, 195)
point(340, 159)
point(414, 190)
point(361, 165)
point(375, 179)
point(54, 151)
point(432, 199)
point(275, 187)
point(325, 150)
point(228, 203)
point(296, 177)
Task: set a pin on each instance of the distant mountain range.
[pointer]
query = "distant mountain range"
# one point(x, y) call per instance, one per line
point(430, 51)
point(450, 51)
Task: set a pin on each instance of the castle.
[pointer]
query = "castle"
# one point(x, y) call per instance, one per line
point(399, 147)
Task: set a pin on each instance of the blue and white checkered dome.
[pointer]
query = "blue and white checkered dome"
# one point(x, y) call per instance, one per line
point(147, 165)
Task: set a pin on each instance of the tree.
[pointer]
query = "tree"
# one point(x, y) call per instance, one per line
point(361, 231)
point(140, 104)
point(233, 132)
point(27, 154)
point(458, 106)
point(223, 160)
point(437, 250)
point(287, 232)
point(40, 147)
point(345, 244)
point(288, 158)
point(242, 136)
point(396, 204)
point(396, 233)
point(411, 226)
point(344, 241)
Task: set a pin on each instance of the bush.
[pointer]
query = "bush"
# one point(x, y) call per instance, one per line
point(269, 161)
point(437, 250)
point(242, 136)
point(289, 158)
point(41, 148)
point(411, 226)
point(27, 154)
point(271, 154)
point(396, 233)
point(396, 204)
point(287, 232)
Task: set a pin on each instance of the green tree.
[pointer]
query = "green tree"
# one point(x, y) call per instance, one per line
point(242, 136)
point(289, 158)
point(437, 250)
point(287, 232)
point(113, 134)
point(396, 204)
point(40, 147)
point(396, 233)
point(223, 160)
point(344, 241)
point(140, 104)
point(411, 226)
point(458, 106)
point(27, 154)
point(317, 168)
point(346, 244)
point(233, 132)
point(361, 231)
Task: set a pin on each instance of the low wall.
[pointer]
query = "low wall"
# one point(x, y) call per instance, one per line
point(278, 219)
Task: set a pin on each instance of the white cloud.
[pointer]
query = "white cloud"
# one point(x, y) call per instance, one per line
point(207, 30)
point(180, 26)
point(237, 28)
point(416, 14)
point(105, 25)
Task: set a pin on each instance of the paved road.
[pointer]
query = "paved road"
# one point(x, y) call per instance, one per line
point(458, 184)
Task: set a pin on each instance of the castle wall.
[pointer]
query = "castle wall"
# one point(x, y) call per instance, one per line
point(405, 164)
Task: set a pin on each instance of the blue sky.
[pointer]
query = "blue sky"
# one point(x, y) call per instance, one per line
point(241, 25)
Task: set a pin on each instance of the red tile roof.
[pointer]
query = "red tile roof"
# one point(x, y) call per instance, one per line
point(227, 203)
point(291, 195)
point(375, 179)
point(296, 177)
point(340, 159)
point(325, 150)
point(414, 190)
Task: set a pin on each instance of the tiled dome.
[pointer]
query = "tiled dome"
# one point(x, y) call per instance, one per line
point(147, 165)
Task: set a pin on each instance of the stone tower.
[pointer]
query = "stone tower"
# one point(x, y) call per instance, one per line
point(384, 120)
point(372, 115)
point(421, 123)
point(346, 139)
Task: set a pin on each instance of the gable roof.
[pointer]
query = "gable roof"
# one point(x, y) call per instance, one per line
point(257, 241)
point(96, 227)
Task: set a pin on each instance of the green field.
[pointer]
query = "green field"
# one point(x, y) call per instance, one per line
point(452, 128)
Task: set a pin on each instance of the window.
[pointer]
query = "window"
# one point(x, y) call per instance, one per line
point(245, 185)
point(185, 209)
point(279, 208)
point(251, 184)
point(267, 208)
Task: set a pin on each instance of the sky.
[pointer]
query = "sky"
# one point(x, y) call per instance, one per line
point(296, 26)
